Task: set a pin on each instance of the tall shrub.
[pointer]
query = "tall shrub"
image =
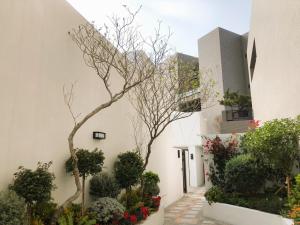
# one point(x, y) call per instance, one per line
point(276, 143)
point(222, 151)
point(34, 186)
point(128, 170)
point(103, 185)
point(89, 163)
point(243, 174)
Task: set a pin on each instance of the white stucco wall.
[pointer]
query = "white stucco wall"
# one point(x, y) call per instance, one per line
point(181, 134)
point(37, 58)
point(275, 27)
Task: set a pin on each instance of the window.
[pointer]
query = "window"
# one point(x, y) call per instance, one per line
point(253, 60)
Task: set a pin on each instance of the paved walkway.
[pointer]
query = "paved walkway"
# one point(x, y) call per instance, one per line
point(188, 210)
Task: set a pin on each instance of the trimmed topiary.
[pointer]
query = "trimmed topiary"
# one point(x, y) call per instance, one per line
point(150, 184)
point(103, 185)
point(243, 174)
point(128, 169)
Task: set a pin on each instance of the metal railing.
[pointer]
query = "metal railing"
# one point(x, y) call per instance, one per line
point(236, 115)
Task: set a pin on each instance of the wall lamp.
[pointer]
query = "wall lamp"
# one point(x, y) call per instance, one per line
point(99, 135)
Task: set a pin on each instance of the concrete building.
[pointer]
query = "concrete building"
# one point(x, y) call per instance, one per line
point(222, 54)
point(274, 58)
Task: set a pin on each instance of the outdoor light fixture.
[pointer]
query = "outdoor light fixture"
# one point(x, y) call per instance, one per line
point(192, 156)
point(99, 135)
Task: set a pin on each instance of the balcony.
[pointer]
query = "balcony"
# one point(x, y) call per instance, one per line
point(235, 121)
point(237, 115)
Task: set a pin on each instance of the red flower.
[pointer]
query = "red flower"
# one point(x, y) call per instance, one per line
point(133, 219)
point(126, 215)
point(145, 212)
point(156, 201)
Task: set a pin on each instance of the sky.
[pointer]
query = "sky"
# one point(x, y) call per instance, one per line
point(188, 20)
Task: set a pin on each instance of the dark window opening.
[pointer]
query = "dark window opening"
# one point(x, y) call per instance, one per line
point(253, 60)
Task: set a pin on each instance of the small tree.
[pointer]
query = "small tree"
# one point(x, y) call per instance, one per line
point(234, 99)
point(116, 52)
point(174, 93)
point(222, 152)
point(128, 170)
point(34, 186)
point(276, 143)
point(89, 163)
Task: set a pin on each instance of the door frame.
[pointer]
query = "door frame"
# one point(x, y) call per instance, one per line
point(185, 168)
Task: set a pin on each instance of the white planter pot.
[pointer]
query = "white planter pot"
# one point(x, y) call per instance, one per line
point(236, 215)
point(155, 218)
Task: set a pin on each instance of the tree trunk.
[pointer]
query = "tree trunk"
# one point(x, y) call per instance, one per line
point(83, 195)
point(288, 183)
point(76, 174)
point(149, 148)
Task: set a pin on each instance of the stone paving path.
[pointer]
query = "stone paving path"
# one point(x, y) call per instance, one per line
point(188, 210)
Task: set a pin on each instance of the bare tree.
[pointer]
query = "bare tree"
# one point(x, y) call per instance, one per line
point(115, 52)
point(176, 91)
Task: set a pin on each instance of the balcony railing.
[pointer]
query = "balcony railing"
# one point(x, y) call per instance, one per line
point(236, 115)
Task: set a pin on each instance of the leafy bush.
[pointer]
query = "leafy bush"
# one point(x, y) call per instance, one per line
point(89, 163)
point(44, 211)
point(150, 184)
point(12, 207)
point(68, 219)
point(103, 185)
point(128, 169)
point(132, 199)
point(214, 194)
point(294, 198)
point(222, 151)
point(243, 174)
point(264, 202)
point(105, 210)
point(34, 186)
point(276, 143)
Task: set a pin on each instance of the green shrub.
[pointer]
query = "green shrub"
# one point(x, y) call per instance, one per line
point(103, 185)
point(128, 169)
point(150, 184)
point(44, 211)
point(131, 199)
point(214, 194)
point(34, 186)
point(68, 219)
point(243, 174)
point(12, 208)
point(222, 151)
point(105, 210)
point(276, 143)
point(265, 202)
point(294, 198)
point(89, 163)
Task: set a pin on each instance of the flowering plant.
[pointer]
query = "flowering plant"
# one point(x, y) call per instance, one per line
point(141, 213)
point(222, 151)
point(253, 124)
point(156, 202)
